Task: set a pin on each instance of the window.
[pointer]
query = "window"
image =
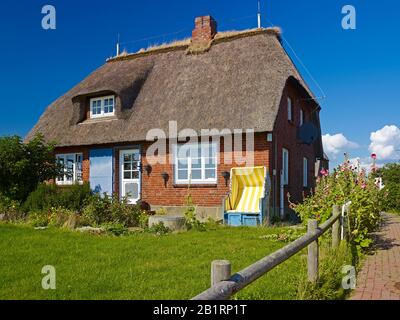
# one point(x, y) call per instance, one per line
point(102, 107)
point(71, 171)
point(289, 109)
point(285, 166)
point(305, 172)
point(196, 163)
point(301, 117)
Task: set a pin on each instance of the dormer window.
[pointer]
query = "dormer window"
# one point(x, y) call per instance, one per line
point(289, 109)
point(102, 107)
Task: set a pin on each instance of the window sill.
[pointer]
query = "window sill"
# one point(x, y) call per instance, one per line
point(99, 119)
point(195, 185)
point(68, 184)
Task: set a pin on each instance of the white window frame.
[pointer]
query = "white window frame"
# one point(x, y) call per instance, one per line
point(65, 156)
point(290, 109)
point(301, 117)
point(285, 166)
point(202, 158)
point(305, 172)
point(102, 114)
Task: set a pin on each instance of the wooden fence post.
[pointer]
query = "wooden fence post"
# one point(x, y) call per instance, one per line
point(220, 271)
point(313, 253)
point(346, 224)
point(336, 228)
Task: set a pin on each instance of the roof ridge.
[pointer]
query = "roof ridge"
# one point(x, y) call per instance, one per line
point(185, 44)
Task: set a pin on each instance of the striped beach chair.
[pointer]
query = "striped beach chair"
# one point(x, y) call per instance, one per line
point(248, 200)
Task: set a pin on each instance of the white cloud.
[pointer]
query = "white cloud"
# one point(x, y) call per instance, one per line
point(337, 144)
point(385, 143)
point(363, 163)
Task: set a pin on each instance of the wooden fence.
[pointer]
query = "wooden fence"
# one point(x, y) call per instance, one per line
point(224, 285)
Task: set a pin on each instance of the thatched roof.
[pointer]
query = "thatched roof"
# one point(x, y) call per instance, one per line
point(236, 84)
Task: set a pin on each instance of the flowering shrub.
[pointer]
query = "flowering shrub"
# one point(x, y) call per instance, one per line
point(346, 183)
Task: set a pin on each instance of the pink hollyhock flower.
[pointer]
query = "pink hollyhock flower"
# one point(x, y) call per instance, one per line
point(363, 186)
point(324, 172)
point(373, 156)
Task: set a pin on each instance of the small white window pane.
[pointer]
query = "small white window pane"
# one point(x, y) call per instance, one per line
point(285, 166)
point(305, 172)
point(210, 174)
point(60, 160)
point(78, 168)
point(127, 175)
point(195, 151)
point(183, 163)
point(183, 174)
point(210, 165)
point(183, 151)
point(301, 117)
point(131, 190)
point(196, 163)
point(196, 174)
point(135, 175)
point(289, 109)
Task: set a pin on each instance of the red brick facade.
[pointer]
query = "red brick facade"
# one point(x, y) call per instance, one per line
point(285, 136)
point(266, 153)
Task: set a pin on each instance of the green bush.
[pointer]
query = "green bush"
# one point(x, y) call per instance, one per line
point(144, 220)
point(115, 228)
point(345, 184)
point(47, 196)
point(57, 217)
point(10, 208)
point(24, 166)
point(38, 219)
point(390, 175)
point(99, 210)
point(159, 229)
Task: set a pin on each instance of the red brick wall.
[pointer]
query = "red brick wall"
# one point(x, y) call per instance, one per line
point(285, 136)
point(156, 193)
point(153, 188)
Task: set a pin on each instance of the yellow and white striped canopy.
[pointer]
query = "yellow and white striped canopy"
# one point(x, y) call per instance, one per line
point(247, 188)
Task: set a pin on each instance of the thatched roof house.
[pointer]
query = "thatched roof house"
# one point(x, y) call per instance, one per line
point(236, 80)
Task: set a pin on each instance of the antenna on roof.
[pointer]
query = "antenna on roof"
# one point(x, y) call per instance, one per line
point(118, 48)
point(259, 15)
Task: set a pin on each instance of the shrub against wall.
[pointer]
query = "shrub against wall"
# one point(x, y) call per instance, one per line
point(100, 210)
point(48, 196)
point(24, 166)
point(346, 183)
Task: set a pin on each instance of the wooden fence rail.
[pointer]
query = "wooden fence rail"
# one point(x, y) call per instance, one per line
point(224, 285)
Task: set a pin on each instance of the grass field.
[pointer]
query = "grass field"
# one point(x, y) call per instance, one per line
point(141, 266)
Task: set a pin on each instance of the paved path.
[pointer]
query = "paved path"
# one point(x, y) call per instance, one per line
point(379, 278)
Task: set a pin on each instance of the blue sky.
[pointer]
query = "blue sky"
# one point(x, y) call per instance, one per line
point(357, 69)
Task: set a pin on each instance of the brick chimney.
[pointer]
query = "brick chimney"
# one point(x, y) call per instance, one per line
point(205, 30)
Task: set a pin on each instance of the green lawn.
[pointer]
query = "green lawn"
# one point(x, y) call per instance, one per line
point(141, 266)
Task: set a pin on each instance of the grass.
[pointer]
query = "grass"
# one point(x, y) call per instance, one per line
point(141, 266)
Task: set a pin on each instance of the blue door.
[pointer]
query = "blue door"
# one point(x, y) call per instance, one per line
point(101, 171)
